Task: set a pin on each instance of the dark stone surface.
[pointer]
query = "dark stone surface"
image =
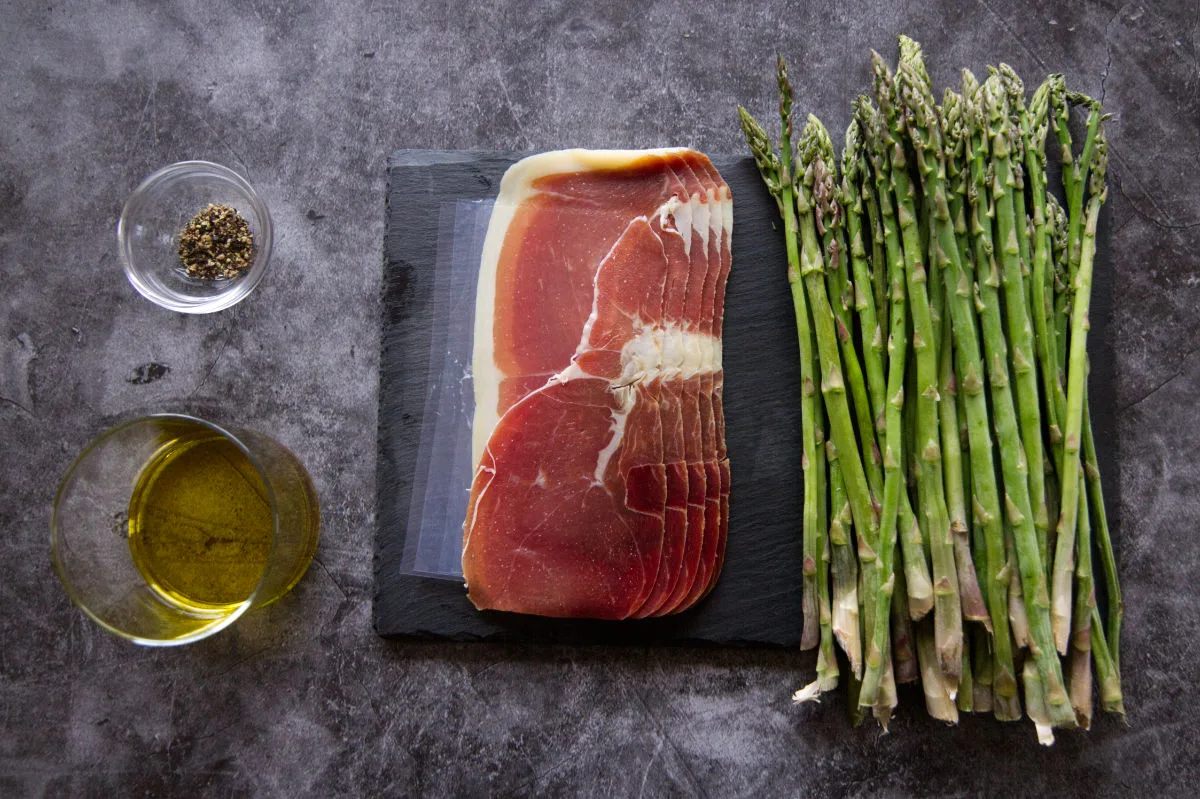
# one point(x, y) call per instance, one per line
point(308, 99)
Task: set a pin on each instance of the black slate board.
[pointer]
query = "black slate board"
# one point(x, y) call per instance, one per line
point(757, 600)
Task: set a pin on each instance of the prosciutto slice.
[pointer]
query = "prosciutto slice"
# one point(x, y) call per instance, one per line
point(602, 483)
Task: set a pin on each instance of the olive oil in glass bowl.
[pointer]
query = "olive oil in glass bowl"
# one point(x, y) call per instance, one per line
point(168, 528)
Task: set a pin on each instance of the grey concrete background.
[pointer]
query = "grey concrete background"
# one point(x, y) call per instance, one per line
point(307, 99)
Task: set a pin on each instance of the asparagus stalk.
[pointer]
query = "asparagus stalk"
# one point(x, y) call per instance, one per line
point(931, 489)
point(1109, 677)
point(1107, 661)
point(958, 282)
point(904, 653)
point(981, 663)
point(1033, 128)
point(879, 276)
point(983, 660)
point(853, 171)
point(973, 606)
point(888, 699)
point(893, 458)
point(916, 569)
point(861, 250)
point(1003, 583)
point(1018, 619)
point(1035, 704)
point(1074, 184)
point(872, 337)
point(1108, 561)
point(1076, 384)
point(1074, 191)
point(1009, 230)
point(1079, 681)
point(966, 684)
point(831, 222)
point(1085, 162)
point(833, 386)
point(844, 568)
point(926, 133)
point(811, 268)
point(820, 183)
point(776, 173)
point(1013, 460)
point(1060, 251)
point(1079, 664)
point(939, 695)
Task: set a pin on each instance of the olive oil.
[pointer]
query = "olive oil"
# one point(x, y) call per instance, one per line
point(200, 524)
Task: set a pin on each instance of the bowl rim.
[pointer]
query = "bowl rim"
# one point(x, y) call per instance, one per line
point(238, 290)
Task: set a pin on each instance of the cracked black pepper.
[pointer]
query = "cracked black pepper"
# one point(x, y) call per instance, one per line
point(216, 244)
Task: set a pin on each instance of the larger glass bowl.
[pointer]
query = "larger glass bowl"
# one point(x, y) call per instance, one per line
point(157, 212)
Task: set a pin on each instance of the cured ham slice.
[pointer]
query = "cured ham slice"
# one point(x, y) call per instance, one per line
point(602, 484)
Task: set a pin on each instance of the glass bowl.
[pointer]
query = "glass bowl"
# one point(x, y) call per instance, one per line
point(157, 212)
point(168, 528)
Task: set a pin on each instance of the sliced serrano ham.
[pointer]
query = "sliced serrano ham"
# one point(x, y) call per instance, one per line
point(601, 488)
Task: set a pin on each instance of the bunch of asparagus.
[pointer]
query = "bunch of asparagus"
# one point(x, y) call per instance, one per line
point(952, 499)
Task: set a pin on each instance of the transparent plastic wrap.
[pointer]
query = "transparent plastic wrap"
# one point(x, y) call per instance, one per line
point(442, 484)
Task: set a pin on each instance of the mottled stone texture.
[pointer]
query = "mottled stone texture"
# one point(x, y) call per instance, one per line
point(307, 99)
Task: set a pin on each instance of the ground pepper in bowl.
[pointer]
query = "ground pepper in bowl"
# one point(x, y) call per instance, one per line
point(216, 244)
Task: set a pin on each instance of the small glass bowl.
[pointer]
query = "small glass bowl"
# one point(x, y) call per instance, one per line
point(157, 212)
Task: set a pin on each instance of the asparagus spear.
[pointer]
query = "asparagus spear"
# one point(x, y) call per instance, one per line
point(1079, 663)
point(1035, 704)
point(853, 169)
point(1073, 180)
point(892, 450)
point(1013, 460)
point(904, 654)
point(1009, 229)
point(1059, 248)
point(1110, 678)
point(1033, 128)
point(931, 490)
point(1076, 384)
point(1081, 180)
point(981, 663)
point(983, 659)
point(916, 569)
point(973, 156)
point(844, 568)
point(888, 698)
point(957, 278)
point(1116, 606)
point(833, 386)
point(879, 277)
point(925, 130)
point(829, 221)
point(815, 191)
point(1079, 681)
point(776, 173)
point(939, 696)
